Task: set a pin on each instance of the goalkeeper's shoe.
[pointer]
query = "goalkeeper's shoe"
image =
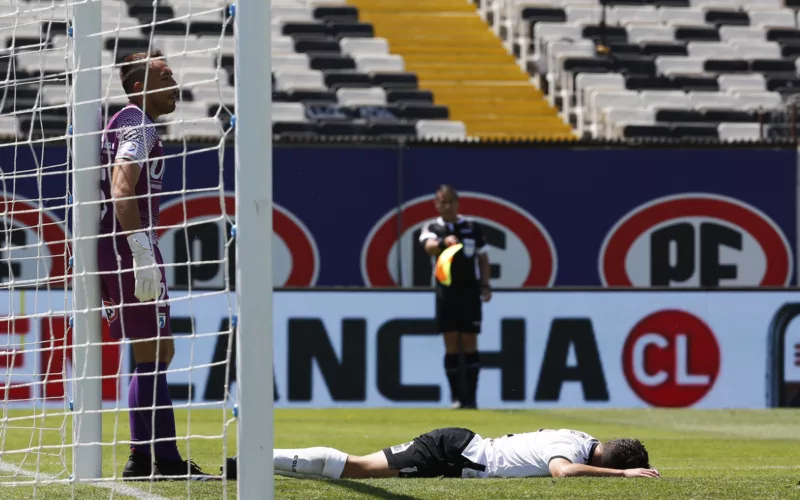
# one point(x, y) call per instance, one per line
point(232, 469)
point(181, 470)
point(138, 467)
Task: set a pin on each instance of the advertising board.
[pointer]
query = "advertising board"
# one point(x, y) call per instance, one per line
point(602, 349)
point(347, 216)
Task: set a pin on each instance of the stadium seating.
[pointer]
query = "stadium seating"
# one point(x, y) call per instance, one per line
point(658, 68)
point(464, 64)
point(331, 76)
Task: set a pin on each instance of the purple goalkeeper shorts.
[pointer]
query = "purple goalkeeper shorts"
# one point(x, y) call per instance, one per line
point(126, 316)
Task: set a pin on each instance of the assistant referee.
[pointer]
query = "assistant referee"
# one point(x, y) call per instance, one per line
point(458, 304)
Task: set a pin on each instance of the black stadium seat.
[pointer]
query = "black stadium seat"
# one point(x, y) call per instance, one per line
point(727, 66)
point(664, 49)
point(324, 61)
point(316, 44)
point(727, 17)
point(646, 131)
point(697, 34)
point(392, 129)
point(392, 80)
point(415, 96)
point(679, 115)
point(339, 79)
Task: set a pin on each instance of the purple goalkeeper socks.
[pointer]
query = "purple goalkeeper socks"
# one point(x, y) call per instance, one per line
point(142, 419)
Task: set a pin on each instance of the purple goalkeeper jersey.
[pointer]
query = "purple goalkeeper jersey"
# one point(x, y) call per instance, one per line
point(131, 135)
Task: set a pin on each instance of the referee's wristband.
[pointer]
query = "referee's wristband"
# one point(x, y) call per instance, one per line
point(486, 286)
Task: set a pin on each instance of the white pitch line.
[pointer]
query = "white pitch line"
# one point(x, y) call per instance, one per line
point(742, 467)
point(116, 487)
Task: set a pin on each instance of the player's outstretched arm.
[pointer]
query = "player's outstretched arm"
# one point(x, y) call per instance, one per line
point(560, 467)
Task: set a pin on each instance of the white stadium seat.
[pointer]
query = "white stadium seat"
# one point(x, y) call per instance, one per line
point(441, 129)
point(681, 16)
point(640, 14)
point(288, 112)
point(367, 63)
point(583, 13)
point(308, 80)
point(664, 98)
point(289, 62)
point(365, 46)
point(373, 96)
point(668, 65)
point(742, 33)
point(784, 18)
point(712, 50)
point(739, 131)
point(742, 82)
point(640, 33)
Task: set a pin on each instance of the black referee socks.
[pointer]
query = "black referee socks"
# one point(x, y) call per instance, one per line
point(451, 369)
point(473, 366)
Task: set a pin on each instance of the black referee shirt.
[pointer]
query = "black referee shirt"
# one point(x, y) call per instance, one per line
point(465, 268)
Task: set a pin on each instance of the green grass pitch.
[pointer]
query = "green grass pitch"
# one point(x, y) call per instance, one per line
point(700, 454)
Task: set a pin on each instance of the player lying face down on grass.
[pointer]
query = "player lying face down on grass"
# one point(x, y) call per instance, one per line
point(460, 453)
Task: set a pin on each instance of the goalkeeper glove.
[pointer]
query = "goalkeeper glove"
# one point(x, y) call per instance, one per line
point(147, 275)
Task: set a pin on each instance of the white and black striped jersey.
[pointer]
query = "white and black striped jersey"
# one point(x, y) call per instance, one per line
point(469, 233)
point(528, 454)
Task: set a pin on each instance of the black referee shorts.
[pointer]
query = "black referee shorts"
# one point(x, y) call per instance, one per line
point(433, 454)
point(459, 310)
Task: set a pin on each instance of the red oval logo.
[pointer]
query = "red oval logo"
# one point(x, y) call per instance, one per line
point(530, 253)
point(671, 359)
point(25, 214)
point(295, 254)
point(695, 240)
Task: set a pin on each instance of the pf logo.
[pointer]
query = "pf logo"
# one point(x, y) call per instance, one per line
point(671, 359)
point(520, 250)
point(197, 230)
point(22, 257)
point(695, 240)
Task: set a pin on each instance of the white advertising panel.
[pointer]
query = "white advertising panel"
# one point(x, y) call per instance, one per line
point(602, 349)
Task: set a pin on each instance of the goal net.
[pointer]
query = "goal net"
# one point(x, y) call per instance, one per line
point(65, 385)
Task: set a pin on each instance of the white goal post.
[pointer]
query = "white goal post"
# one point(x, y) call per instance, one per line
point(71, 72)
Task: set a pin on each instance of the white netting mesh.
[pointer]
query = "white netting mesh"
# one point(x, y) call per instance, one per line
point(37, 62)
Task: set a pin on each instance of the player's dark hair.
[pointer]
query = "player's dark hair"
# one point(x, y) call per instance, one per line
point(624, 454)
point(134, 68)
point(447, 188)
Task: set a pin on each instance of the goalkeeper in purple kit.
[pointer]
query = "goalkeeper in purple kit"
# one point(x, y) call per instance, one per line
point(133, 287)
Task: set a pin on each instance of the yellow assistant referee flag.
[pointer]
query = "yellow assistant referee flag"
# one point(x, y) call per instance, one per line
point(443, 263)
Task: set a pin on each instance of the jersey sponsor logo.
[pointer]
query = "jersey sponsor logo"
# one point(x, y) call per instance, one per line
point(200, 234)
point(520, 249)
point(157, 168)
point(31, 248)
point(695, 240)
point(671, 358)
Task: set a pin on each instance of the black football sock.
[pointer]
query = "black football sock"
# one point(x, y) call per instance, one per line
point(473, 363)
point(451, 369)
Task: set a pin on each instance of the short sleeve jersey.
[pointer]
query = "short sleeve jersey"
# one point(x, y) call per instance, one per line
point(529, 454)
point(465, 269)
point(131, 136)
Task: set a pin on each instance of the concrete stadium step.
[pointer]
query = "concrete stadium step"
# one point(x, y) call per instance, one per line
point(478, 72)
point(482, 89)
point(449, 58)
point(459, 59)
point(534, 136)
